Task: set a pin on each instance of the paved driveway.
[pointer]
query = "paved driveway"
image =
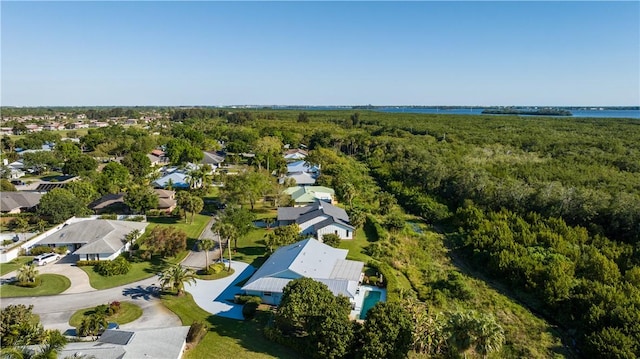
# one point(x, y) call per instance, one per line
point(216, 296)
point(56, 310)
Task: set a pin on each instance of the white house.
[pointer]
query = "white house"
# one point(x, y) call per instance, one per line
point(94, 240)
point(166, 343)
point(307, 258)
point(304, 195)
point(317, 220)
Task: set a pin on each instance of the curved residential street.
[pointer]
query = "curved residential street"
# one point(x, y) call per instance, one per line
point(56, 310)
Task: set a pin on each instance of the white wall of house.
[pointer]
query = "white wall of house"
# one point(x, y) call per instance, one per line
point(341, 231)
point(272, 298)
point(307, 227)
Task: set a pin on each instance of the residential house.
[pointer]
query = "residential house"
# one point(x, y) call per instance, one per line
point(165, 343)
point(157, 157)
point(295, 155)
point(300, 178)
point(15, 169)
point(166, 200)
point(177, 179)
point(94, 239)
point(304, 195)
point(308, 258)
point(17, 202)
point(114, 202)
point(317, 220)
point(109, 203)
point(33, 128)
point(214, 159)
point(301, 166)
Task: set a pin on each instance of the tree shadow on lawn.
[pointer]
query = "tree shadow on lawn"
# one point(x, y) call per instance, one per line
point(249, 335)
point(255, 254)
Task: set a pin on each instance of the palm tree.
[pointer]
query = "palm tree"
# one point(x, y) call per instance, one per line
point(92, 324)
point(228, 232)
point(53, 342)
point(27, 273)
point(130, 237)
point(205, 245)
point(175, 277)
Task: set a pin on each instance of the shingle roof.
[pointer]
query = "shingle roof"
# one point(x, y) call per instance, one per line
point(97, 236)
point(213, 158)
point(12, 200)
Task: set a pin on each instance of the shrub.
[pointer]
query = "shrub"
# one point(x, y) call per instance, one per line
point(86, 263)
point(249, 310)
point(7, 242)
point(117, 266)
point(197, 331)
point(215, 268)
point(373, 280)
point(135, 219)
point(114, 307)
point(33, 284)
point(109, 216)
point(36, 251)
point(243, 299)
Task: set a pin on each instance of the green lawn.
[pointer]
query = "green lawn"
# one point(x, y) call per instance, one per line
point(356, 246)
point(14, 264)
point(127, 314)
point(227, 338)
point(220, 275)
point(192, 230)
point(51, 284)
point(251, 248)
point(139, 271)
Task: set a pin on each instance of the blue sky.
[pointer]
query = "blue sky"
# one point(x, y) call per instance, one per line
point(320, 53)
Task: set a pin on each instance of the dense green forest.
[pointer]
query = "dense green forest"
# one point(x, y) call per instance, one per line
point(550, 208)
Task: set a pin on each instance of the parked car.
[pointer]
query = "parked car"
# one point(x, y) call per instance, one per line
point(18, 183)
point(45, 259)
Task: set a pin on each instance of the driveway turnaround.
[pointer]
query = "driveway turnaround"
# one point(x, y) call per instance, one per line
point(56, 310)
point(216, 296)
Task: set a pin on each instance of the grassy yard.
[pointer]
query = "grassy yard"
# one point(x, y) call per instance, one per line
point(139, 271)
point(14, 264)
point(220, 275)
point(192, 230)
point(251, 248)
point(356, 246)
point(227, 338)
point(51, 284)
point(128, 313)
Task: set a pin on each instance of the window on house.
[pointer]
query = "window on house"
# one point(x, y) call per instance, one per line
point(336, 231)
point(347, 234)
point(266, 294)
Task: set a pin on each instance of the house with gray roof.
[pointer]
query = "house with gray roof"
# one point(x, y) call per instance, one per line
point(16, 202)
point(317, 220)
point(308, 258)
point(94, 239)
point(213, 158)
point(165, 343)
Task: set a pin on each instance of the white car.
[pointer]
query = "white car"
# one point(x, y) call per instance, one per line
point(46, 258)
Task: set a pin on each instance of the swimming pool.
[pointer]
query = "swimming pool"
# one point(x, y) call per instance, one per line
point(370, 299)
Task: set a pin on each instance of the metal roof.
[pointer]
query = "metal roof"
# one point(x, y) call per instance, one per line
point(307, 258)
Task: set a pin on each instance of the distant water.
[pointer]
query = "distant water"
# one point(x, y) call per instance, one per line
point(478, 111)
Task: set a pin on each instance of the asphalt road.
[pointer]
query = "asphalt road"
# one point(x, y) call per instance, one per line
point(196, 258)
point(56, 310)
